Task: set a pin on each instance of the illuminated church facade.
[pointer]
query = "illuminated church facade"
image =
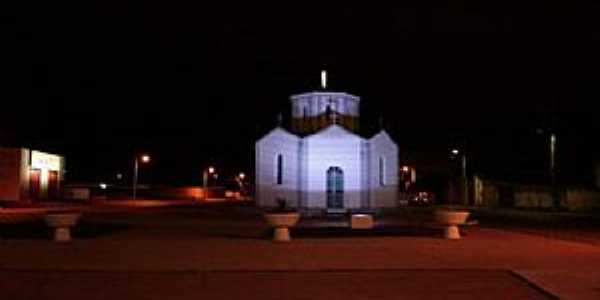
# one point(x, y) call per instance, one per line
point(322, 163)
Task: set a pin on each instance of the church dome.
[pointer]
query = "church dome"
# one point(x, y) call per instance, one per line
point(313, 111)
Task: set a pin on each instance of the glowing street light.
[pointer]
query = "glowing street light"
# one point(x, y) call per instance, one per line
point(210, 170)
point(145, 159)
point(463, 166)
point(240, 180)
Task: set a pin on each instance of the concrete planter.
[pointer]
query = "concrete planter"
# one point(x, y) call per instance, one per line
point(450, 220)
point(62, 223)
point(281, 221)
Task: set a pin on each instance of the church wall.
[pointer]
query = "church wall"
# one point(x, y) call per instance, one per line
point(383, 147)
point(365, 159)
point(303, 174)
point(267, 149)
point(333, 147)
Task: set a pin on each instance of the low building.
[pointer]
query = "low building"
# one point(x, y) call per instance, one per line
point(30, 175)
point(493, 193)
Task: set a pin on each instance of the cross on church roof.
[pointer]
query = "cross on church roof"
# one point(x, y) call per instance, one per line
point(324, 79)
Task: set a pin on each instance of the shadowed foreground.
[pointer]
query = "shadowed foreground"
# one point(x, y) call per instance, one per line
point(343, 285)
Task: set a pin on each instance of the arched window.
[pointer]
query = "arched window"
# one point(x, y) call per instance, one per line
point(279, 169)
point(381, 172)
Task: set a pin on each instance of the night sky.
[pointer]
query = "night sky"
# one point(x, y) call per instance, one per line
point(195, 84)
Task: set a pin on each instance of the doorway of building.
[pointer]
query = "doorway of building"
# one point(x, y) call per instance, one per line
point(53, 186)
point(335, 188)
point(34, 184)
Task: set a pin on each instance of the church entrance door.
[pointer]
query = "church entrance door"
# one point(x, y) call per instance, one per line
point(335, 188)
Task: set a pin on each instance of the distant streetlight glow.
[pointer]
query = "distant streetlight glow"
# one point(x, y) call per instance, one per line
point(145, 159)
point(210, 170)
point(240, 180)
point(103, 186)
point(463, 166)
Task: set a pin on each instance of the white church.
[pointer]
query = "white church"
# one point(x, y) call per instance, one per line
point(323, 164)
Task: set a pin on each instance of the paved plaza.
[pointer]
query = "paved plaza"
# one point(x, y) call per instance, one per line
point(223, 252)
point(252, 284)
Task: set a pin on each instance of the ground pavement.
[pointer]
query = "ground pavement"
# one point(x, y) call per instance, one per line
point(220, 256)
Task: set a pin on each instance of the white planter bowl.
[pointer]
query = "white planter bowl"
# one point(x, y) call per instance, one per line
point(281, 221)
point(62, 223)
point(450, 220)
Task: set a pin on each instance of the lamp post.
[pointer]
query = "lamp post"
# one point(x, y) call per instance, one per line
point(552, 170)
point(145, 159)
point(240, 179)
point(205, 173)
point(553, 129)
point(405, 177)
point(463, 166)
point(552, 140)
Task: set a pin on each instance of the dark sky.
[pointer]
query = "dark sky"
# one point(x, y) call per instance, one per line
point(195, 83)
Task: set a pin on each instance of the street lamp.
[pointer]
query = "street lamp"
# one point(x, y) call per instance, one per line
point(240, 180)
point(145, 159)
point(552, 163)
point(463, 165)
point(205, 173)
point(552, 171)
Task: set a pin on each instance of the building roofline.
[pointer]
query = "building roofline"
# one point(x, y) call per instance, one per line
point(278, 128)
point(337, 125)
point(326, 93)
